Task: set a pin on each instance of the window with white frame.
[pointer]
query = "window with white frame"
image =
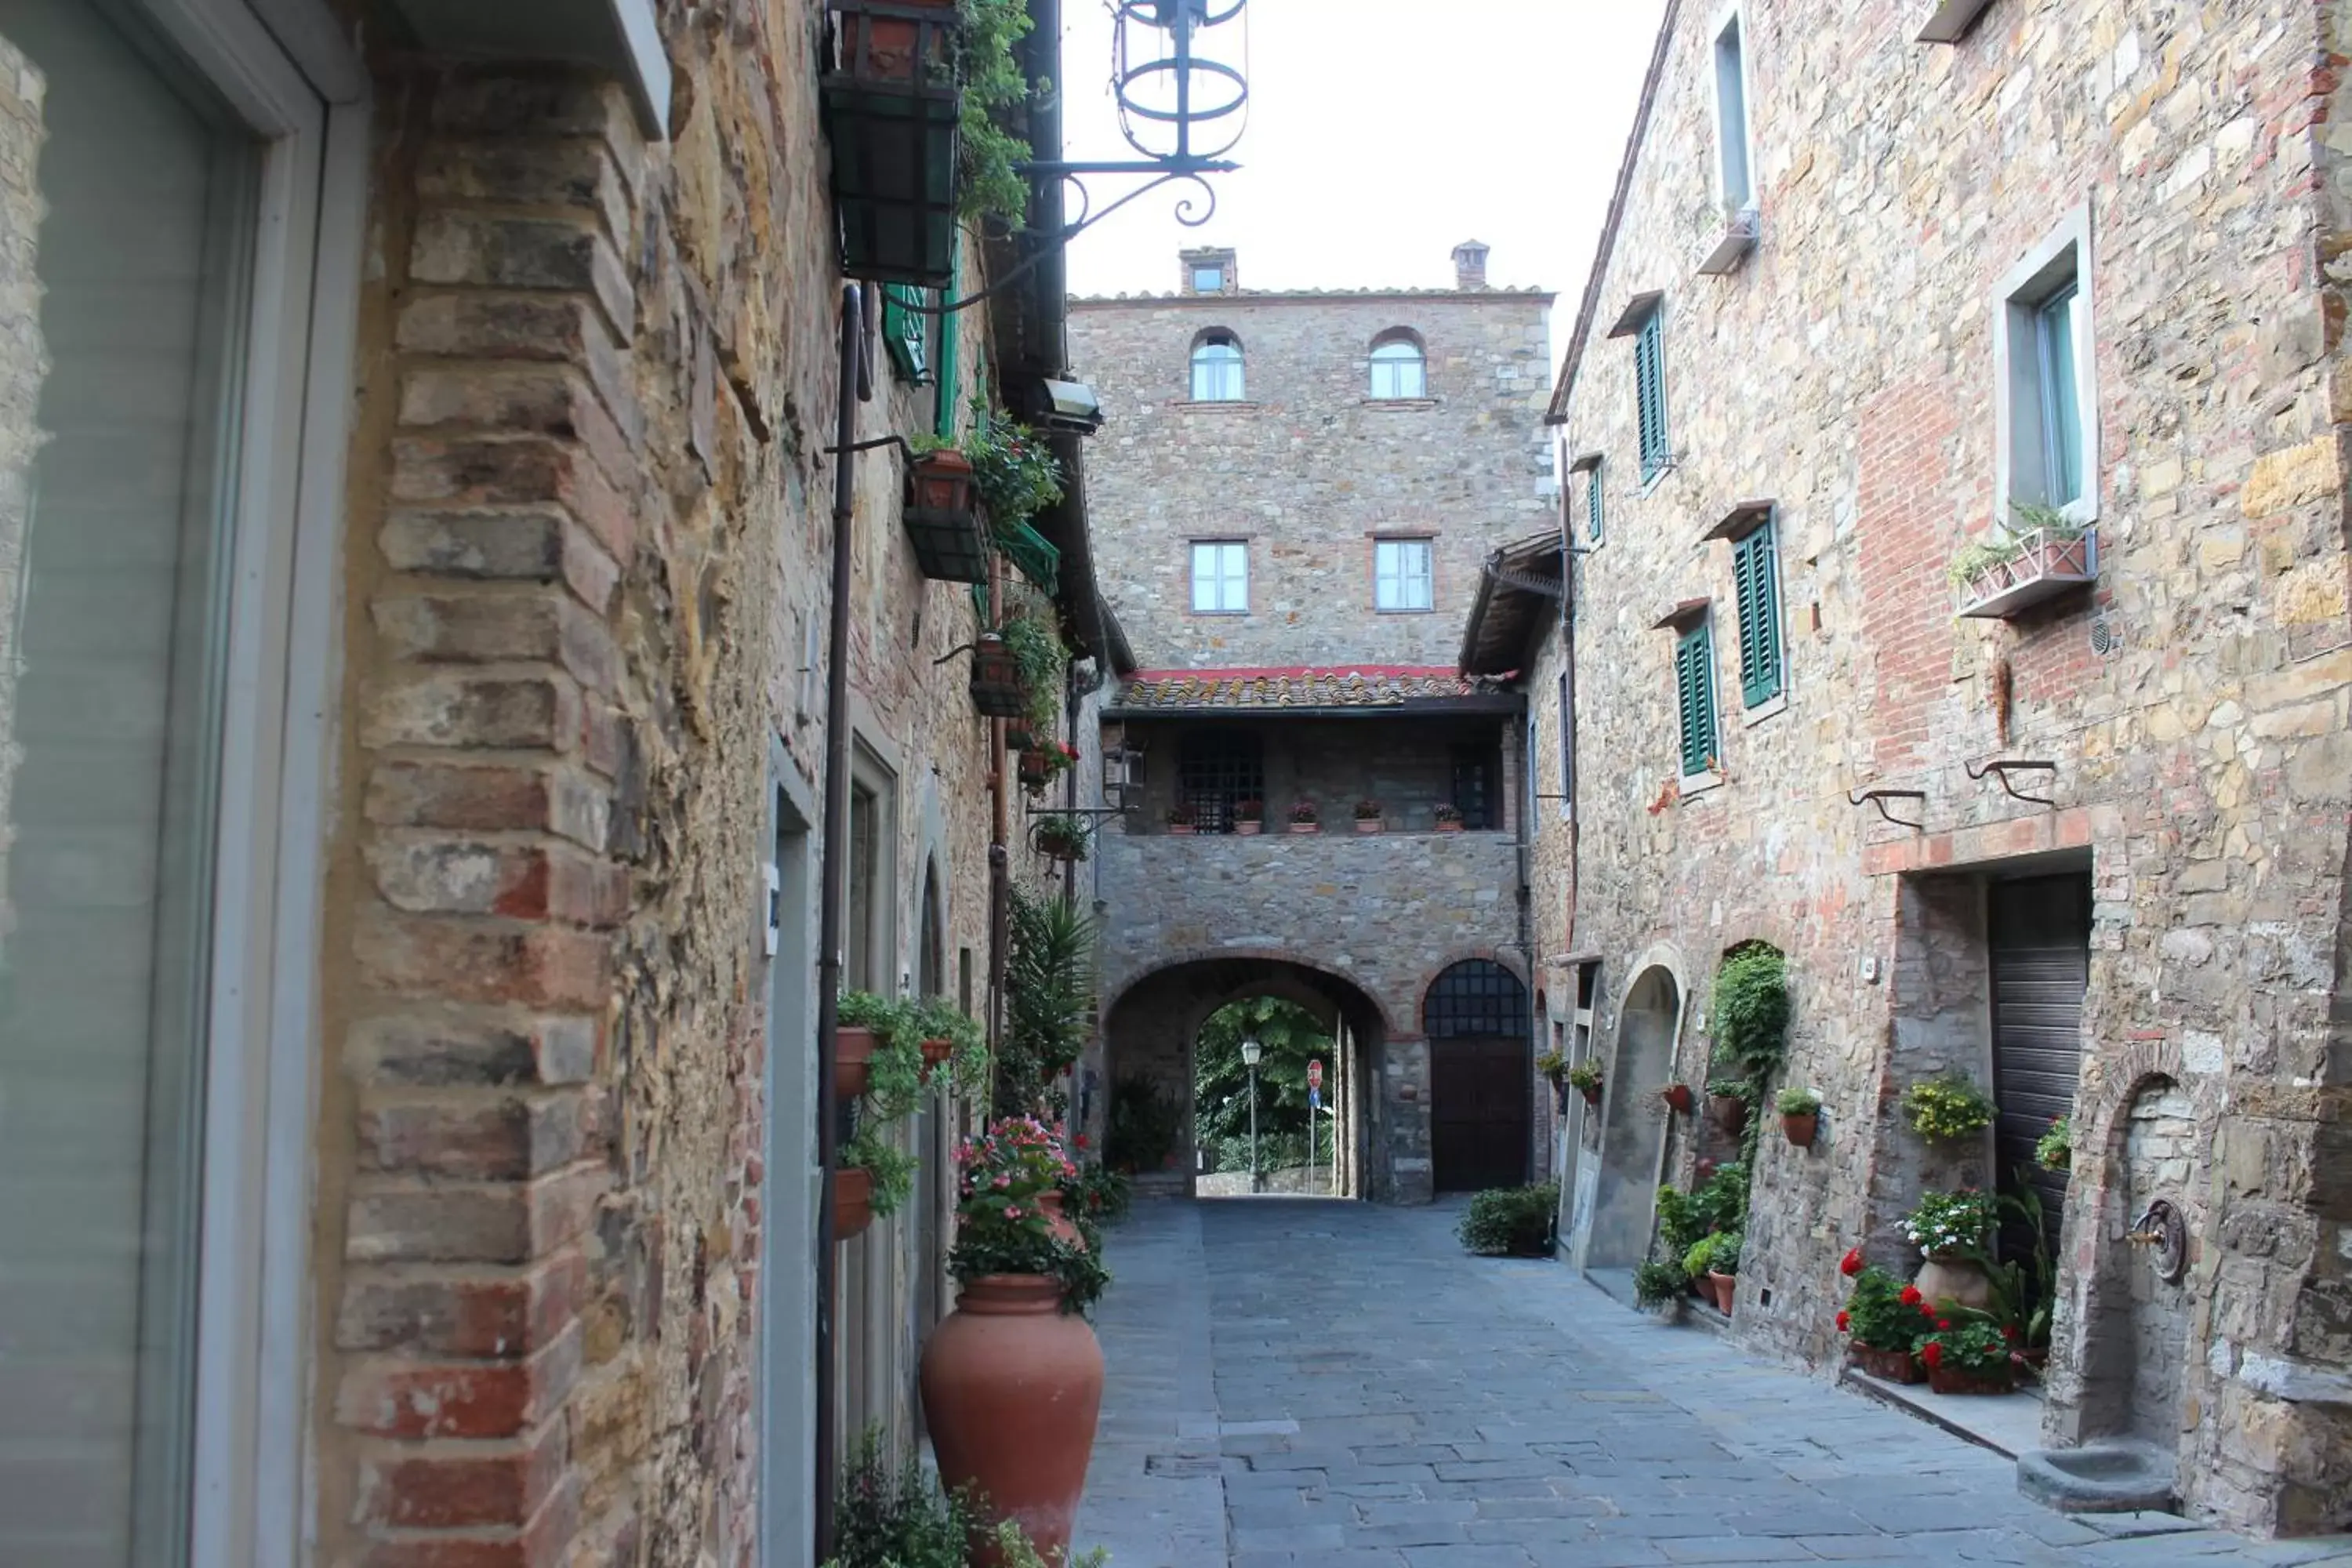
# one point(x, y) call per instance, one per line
point(1219, 577)
point(1735, 182)
point(2044, 397)
point(1402, 576)
point(1399, 370)
point(1216, 368)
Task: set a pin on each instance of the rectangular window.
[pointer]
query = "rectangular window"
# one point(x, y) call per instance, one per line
point(2045, 402)
point(1650, 393)
point(1208, 280)
point(1594, 526)
point(1567, 751)
point(1219, 577)
point(1733, 182)
point(1755, 589)
point(906, 330)
point(1695, 697)
point(1401, 575)
point(1473, 787)
point(865, 891)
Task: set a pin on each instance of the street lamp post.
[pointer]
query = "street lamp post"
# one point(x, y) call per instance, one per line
point(1251, 1051)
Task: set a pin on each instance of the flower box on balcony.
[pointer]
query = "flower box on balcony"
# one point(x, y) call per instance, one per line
point(941, 522)
point(2037, 564)
point(891, 104)
point(996, 689)
point(1740, 229)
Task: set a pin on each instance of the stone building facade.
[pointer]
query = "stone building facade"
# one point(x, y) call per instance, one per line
point(1296, 493)
point(487, 1219)
point(1860, 290)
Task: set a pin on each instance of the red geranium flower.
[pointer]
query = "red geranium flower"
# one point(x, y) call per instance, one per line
point(1910, 1297)
point(1844, 1319)
point(1942, 1323)
point(1851, 1264)
point(1931, 1353)
point(2009, 1331)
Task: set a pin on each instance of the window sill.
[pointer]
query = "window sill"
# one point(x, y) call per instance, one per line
point(1218, 614)
point(1400, 405)
point(1771, 707)
point(1406, 610)
point(1699, 784)
point(1217, 404)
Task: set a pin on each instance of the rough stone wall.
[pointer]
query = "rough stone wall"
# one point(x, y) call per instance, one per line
point(1845, 373)
point(1309, 467)
point(589, 538)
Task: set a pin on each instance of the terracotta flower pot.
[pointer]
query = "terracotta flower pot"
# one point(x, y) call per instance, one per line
point(1677, 1096)
point(1020, 737)
point(1704, 1172)
point(1728, 1111)
point(942, 478)
point(852, 1055)
point(1892, 1366)
point(853, 1201)
point(1368, 825)
point(1591, 1093)
point(1452, 826)
point(1011, 1387)
point(1063, 1227)
point(935, 1053)
point(1963, 1380)
point(1799, 1127)
point(888, 56)
point(1726, 1286)
point(1306, 828)
point(1033, 771)
point(1249, 829)
point(1942, 1280)
point(1182, 828)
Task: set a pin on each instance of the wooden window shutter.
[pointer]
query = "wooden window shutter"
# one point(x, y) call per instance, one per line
point(1757, 591)
point(906, 336)
point(1592, 519)
point(1650, 392)
point(1694, 694)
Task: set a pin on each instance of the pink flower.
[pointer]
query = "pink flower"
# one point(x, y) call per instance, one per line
point(1012, 1211)
point(1003, 1180)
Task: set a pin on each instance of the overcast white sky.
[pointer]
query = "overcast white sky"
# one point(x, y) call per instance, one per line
point(1381, 134)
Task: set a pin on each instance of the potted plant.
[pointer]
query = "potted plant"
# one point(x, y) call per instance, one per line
point(1966, 1352)
point(1249, 818)
point(950, 1040)
point(1659, 1286)
point(1368, 816)
point(1801, 1110)
point(2041, 553)
point(1677, 1096)
point(1881, 1327)
point(1019, 737)
point(1303, 819)
point(1060, 835)
point(1449, 818)
point(1180, 817)
point(2054, 1150)
point(1033, 771)
point(997, 691)
point(1011, 1380)
point(1584, 1077)
point(892, 99)
point(1043, 663)
point(1727, 1106)
point(888, 1174)
point(1723, 1267)
point(943, 523)
point(1952, 1230)
point(1947, 1108)
point(1511, 1222)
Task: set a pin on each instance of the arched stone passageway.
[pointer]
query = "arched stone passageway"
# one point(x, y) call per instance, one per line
point(1149, 1033)
point(1616, 1235)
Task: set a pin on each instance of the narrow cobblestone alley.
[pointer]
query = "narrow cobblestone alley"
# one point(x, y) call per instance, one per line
point(1305, 1385)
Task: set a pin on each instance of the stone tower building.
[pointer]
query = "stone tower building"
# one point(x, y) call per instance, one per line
point(1952, 423)
point(1294, 496)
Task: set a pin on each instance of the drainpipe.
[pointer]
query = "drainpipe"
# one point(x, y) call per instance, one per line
point(855, 387)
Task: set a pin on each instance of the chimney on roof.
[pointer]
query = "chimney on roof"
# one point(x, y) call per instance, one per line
point(1469, 267)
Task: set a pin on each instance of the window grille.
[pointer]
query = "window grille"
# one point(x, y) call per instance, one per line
point(1473, 787)
point(1215, 772)
point(1476, 998)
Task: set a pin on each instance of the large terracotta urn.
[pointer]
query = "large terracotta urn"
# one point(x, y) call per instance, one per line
point(1954, 1279)
point(1012, 1386)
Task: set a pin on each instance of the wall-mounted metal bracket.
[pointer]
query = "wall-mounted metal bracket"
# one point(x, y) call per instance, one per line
point(1879, 797)
point(2003, 769)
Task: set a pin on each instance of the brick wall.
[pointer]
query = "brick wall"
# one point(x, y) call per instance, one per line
point(1845, 371)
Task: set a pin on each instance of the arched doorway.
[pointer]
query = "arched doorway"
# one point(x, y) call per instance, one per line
point(1634, 1132)
point(1480, 1097)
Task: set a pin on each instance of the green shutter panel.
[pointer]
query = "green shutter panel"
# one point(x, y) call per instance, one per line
point(1592, 502)
point(1650, 388)
point(904, 334)
point(950, 393)
point(1693, 681)
point(1755, 586)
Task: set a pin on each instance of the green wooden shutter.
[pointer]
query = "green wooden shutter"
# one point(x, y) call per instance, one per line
point(1593, 523)
point(951, 395)
point(1757, 590)
point(1694, 694)
point(1650, 393)
point(905, 331)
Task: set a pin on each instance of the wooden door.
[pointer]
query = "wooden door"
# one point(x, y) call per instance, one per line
point(1479, 1113)
point(2040, 953)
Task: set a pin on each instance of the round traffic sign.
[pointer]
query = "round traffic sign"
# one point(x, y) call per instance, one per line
point(1315, 1075)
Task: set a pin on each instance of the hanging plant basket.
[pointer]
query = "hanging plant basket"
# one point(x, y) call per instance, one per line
point(941, 522)
point(853, 1201)
point(1800, 1128)
point(1034, 773)
point(935, 1053)
point(891, 105)
point(853, 1056)
point(996, 689)
point(1020, 737)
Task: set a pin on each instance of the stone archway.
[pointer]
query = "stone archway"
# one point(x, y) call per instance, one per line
point(1633, 1130)
point(1150, 1028)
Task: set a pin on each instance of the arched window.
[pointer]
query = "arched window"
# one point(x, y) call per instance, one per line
point(1216, 368)
point(1476, 997)
point(1399, 369)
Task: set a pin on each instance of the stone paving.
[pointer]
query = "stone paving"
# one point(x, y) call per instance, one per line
point(1302, 1384)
